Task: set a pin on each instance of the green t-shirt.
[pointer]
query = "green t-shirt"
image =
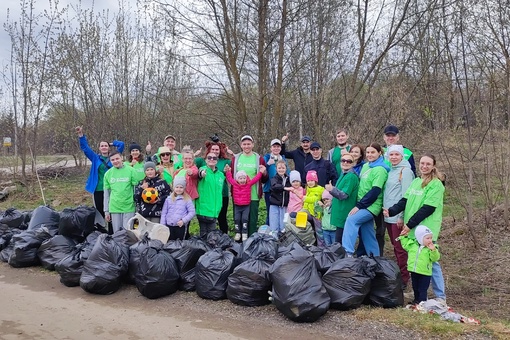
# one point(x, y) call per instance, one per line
point(337, 156)
point(100, 173)
point(372, 177)
point(431, 195)
point(349, 184)
point(250, 164)
point(121, 183)
point(139, 170)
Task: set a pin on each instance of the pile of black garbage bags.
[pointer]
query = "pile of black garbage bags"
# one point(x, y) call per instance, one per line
point(302, 282)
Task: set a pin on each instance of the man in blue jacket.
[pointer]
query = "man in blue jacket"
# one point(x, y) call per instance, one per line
point(326, 171)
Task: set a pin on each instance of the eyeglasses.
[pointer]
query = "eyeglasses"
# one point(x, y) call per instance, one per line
point(165, 154)
point(212, 158)
point(349, 161)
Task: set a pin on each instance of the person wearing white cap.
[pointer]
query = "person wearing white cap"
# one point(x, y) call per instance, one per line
point(271, 159)
point(400, 177)
point(250, 162)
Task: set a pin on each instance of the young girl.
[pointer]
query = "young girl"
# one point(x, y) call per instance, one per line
point(241, 194)
point(313, 192)
point(279, 199)
point(296, 192)
point(152, 212)
point(135, 160)
point(178, 210)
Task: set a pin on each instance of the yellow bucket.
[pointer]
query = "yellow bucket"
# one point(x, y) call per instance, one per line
point(301, 219)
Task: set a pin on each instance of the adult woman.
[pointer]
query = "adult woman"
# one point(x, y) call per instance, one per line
point(190, 172)
point(135, 160)
point(399, 179)
point(369, 205)
point(166, 164)
point(100, 164)
point(345, 194)
point(358, 152)
point(423, 205)
point(220, 150)
point(335, 154)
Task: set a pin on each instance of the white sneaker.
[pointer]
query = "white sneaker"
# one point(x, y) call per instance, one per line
point(245, 237)
point(237, 237)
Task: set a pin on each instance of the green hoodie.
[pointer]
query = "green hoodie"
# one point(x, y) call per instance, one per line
point(419, 258)
point(209, 189)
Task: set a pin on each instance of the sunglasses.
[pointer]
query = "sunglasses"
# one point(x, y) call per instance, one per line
point(165, 154)
point(212, 158)
point(349, 161)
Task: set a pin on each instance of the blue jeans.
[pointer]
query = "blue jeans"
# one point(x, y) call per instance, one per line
point(329, 237)
point(438, 281)
point(276, 214)
point(363, 222)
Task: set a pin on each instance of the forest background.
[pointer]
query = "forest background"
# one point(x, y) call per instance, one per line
point(438, 69)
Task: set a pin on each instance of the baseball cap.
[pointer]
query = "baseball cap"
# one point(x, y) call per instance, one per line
point(170, 136)
point(276, 141)
point(306, 139)
point(391, 129)
point(315, 145)
point(246, 137)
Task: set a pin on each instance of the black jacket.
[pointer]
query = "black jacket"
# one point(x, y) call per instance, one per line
point(325, 171)
point(279, 196)
point(300, 159)
point(152, 210)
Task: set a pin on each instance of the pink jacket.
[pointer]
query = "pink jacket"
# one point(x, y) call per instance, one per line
point(191, 182)
point(296, 201)
point(241, 194)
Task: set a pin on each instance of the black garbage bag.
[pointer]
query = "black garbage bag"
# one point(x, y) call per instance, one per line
point(217, 239)
point(70, 267)
point(249, 283)
point(77, 223)
point(186, 259)
point(103, 270)
point(157, 274)
point(13, 218)
point(27, 216)
point(173, 246)
point(46, 216)
point(125, 238)
point(324, 257)
point(347, 283)
point(53, 250)
point(258, 244)
point(338, 250)
point(386, 287)
point(136, 250)
point(212, 272)
point(298, 291)
point(6, 236)
point(26, 245)
point(6, 252)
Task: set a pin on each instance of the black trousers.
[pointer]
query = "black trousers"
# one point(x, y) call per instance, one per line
point(222, 217)
point(420, 286)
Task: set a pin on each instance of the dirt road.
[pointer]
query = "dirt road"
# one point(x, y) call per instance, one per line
point(35, 305)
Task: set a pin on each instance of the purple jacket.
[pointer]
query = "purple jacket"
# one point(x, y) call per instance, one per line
point(180, 209)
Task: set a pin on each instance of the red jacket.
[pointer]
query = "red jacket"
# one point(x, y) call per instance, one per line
point(264, 178)
point(241, 193)
point(191, 181)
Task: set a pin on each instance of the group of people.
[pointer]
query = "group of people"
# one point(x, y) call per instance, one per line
point(356, 192)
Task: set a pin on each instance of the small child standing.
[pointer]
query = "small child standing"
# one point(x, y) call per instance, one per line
point(178, 210)
point(324, 207)
point(297, 192)
point(279, 199)
point(241, 195)
point(421, 254)
point(313, 192)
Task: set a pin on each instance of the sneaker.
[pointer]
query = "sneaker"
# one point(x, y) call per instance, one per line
point(237, 237)
point(245, 236)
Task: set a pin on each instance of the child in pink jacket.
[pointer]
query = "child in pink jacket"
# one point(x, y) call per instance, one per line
point(241, 195)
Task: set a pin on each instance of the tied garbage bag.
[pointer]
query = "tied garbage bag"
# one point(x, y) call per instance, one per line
point(26, 245)
point(212, 272)
point(44, 216)
point(298, 291)
point(103, 270)
point(347, 283)
point(216, 239)
point(249, 283)
point(135, 252)
point(258, 244)
point(53, 250)
point(12, 218)
point(6, 236)
point(386, 287)
point(324, 257)
point(7, 244)
point(77, 223)
point(186, 259)
point(70, 267)
point(157, 274)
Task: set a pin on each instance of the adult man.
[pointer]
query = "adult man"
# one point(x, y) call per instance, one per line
point(326, 171)
point(391, 137)
point(169, 142)
point(301, 155)
point(250, 161)
point(335, 154)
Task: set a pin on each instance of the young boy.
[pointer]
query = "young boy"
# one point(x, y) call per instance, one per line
point(151, 211)
point(421, 254)
point(119, 183)
point(279, 198)
point(324, 207)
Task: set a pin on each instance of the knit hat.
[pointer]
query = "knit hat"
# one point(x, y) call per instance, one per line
point(312, 176)
point(295, 176)
point(396, 148)
point(180, 181)
point(135, 146)
point(149, 165)
point(326, 194)
point(240, 174)
point(420, 232)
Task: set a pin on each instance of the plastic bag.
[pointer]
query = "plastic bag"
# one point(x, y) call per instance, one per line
point(324, 257)
point(157, 273)
point(258, 244)
point(298, 291)
point(53, 250)
point(6, 236)
point(77, 223)
point(249, 283)
point(13, 218)
point(26, 245)
point(186, 259)
point(347, 283)
point(135, 252)
point(103, 270)
point(44, 216)
point(212, 272)
point(307, 234)
point(386, 287)
point(216, 239)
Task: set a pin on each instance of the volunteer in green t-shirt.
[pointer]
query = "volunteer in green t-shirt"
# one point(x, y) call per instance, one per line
point(361, 218)
point(136, 161)
point(119, 183)
point(335, 154)
point(423, 205)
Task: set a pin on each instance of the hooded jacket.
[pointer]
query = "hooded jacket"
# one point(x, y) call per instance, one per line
point(241, 193)
point(419, 258)
point(279, 196)
point(147, 209)
point(325, 171)
point(261, 161)
point(300, 158)
point(399, 179)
